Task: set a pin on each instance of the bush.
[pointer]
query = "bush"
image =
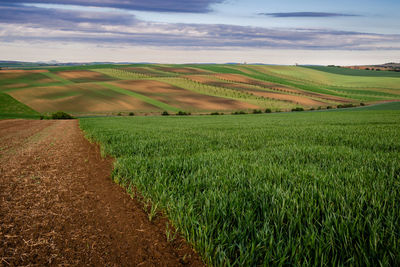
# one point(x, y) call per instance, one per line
point(298, 109)
point(131, 114)
point(268, 110)
point(119, 114)
point(328, 107)
point(362, 104)
point(183, 113)
point(165, 113)
point(312, 108)
point(346, 106)
point(60, 115)
point(239, 112)
point(216, 113)
point(257, 111)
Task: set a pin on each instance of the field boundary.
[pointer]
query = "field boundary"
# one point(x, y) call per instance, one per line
point(146, 99)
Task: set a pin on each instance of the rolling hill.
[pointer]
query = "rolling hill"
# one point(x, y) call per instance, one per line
point(150, 89)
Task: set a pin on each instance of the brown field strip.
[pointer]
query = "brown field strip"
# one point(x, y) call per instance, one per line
point(59, 206)
point(79, 98)
point(83, 76)
point(181, 98)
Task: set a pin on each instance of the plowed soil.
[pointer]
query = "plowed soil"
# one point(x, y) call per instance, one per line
point(58, 205)
point(83, 76)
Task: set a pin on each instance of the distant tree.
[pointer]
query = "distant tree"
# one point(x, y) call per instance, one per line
point(298, 109)
point(60, 115)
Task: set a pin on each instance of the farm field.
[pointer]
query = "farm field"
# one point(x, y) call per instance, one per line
point(311, 188)
point(59, 206)
point(200, 89)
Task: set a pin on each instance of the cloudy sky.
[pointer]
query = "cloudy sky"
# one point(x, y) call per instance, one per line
point(341, 32)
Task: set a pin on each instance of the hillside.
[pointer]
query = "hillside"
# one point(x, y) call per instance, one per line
point(153, 88)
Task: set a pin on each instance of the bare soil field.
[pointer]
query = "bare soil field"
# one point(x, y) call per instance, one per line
point(58, 205)
point(83, 76)
point(182, 98)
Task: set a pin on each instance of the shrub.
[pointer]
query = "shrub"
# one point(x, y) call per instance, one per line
point(60, 115)
point(165, 113)
point(328, 107)
point(312, 108)
point(183, 113)
point(239, 112)
point(119, 114)
point(216, 113)
point(268, 110)
point(257, 111)
point(298, 109)
point(346, 106)
point(362, 104)
point(131, 114)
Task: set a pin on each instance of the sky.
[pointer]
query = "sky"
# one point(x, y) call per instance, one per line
point(340, 32)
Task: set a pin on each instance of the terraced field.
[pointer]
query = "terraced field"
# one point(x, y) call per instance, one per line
point(199, 89)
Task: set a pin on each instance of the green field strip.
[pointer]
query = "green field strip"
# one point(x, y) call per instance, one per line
point(355, 72)
point(218, 69)
point(12, 108)
point(329, 80)
point(146, 99)
point(58, 78)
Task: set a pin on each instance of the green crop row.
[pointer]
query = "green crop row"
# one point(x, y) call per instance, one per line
point(122, 74)
point(312, 188)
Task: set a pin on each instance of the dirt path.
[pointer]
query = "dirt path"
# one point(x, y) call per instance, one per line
point(58, 205)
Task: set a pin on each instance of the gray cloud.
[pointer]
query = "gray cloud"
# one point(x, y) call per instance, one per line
point(10, 13)
point(32, 24)
point(195, 6)
point(307, 15)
